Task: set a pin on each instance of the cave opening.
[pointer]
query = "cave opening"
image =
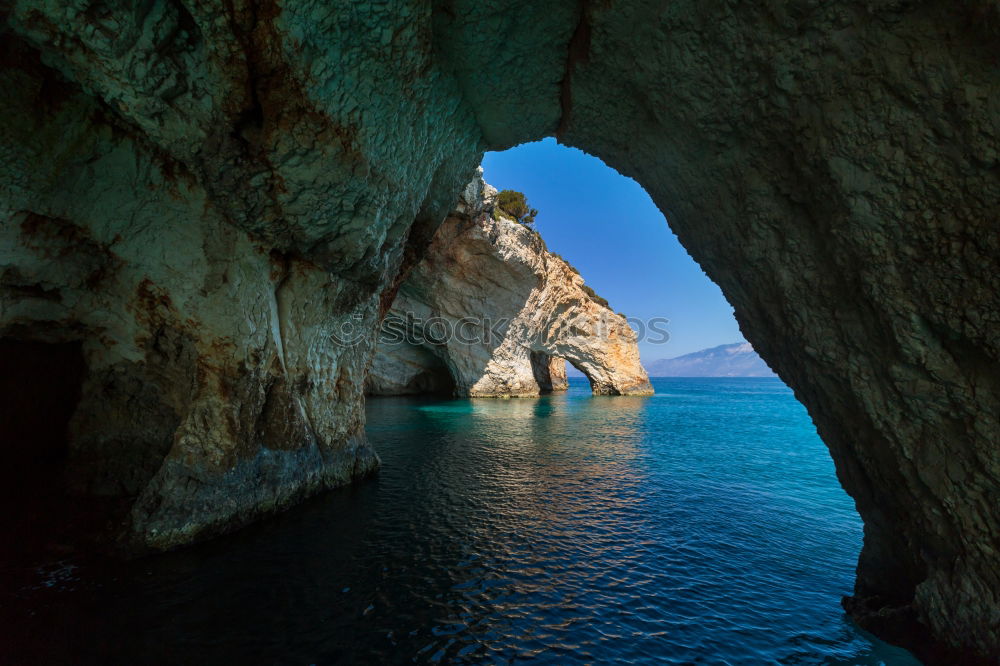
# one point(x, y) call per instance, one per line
point(434, 379)
point(549, 372)
point(577, 371)
point(404, 368)
point(607, 227)
point(612, 233)
point(40, 387)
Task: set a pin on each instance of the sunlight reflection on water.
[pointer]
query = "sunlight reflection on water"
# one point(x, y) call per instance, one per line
point(704, 525)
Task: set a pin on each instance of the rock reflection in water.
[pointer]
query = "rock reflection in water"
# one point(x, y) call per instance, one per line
point(699, 525)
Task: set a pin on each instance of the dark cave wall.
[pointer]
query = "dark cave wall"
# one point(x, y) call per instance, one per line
point(834, 169)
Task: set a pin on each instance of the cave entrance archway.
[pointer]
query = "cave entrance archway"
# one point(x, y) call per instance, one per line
point(40, 387)
point(648, 268)
point(609, 229)
point(435, 378)
point(409, 369)
point(832, 165)
point(549, 372)
point(579, 369)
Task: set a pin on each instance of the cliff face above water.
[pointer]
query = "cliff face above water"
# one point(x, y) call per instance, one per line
point(197, 196)
point(489, 312)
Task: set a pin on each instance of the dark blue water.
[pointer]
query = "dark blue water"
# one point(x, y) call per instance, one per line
point(704, 525)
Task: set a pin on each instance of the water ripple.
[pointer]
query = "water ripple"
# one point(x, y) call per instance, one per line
point(701, 526)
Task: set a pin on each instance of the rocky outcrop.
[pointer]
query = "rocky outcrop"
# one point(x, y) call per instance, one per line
point(195, 194)
point(489, 312)
point(154, 211)
point(206, 398)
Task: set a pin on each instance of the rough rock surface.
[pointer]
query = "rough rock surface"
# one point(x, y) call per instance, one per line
point(209, 371)
point(489, 312)
point(186, 200)
point(194, 192)
point(834, 167)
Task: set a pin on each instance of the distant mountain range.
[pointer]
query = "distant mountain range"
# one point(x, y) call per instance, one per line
point(735, 360)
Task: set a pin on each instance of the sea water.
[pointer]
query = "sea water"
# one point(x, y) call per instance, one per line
point(702, 525)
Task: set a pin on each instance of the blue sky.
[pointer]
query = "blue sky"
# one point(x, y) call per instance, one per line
point(607, 227)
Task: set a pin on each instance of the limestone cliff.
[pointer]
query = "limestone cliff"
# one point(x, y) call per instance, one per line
point(489, 312)
point(196, 195)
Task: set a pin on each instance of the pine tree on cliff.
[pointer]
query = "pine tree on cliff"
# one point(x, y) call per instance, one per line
point(515, 204)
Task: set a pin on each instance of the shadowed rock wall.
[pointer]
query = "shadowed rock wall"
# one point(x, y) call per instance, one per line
point(202, 209)
point(199, 193)
point(550, 372)
point(206, 395)
point(834, 168)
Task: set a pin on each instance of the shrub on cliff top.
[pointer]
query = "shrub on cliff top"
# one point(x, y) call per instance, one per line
point(515, 204)
point(600, 300)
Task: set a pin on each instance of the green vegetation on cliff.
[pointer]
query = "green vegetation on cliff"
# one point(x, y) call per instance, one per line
point(515, 204)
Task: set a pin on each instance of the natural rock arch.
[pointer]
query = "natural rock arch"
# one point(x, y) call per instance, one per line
point(550, 372)
point(201, 195)
point(493, 305)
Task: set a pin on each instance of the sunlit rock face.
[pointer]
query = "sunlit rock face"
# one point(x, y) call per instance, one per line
point(492, 307)
point(176, 175)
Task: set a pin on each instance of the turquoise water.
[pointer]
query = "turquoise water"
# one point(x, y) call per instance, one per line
point(703, 525)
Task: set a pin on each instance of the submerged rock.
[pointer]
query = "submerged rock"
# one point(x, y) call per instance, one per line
point(489, 312)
